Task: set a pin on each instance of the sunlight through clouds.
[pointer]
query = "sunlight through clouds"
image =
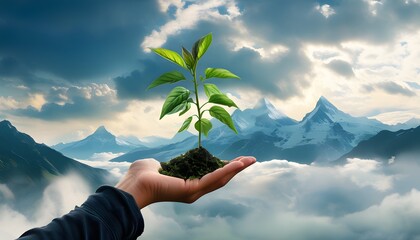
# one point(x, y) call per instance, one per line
point(187, 17)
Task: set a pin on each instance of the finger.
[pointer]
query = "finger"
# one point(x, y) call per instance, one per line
point(149, 164)
point(222, 176)
point(237, 159)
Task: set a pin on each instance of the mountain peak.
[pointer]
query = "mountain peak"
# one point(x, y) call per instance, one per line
point(322, 101)
point(101, 130)
point(325, 106)
point(6, 124)
point(324, 111)
point(266, 106)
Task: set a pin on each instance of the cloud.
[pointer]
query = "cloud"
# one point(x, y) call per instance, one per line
point(285, 200)
point(57, 199)
point(50, 36)
point(326, 10)
point(7, 103)
point(307, 21)
point(248, 45)
point(187, 16)
point(341, 67)
point(362, 199)
point(104, 156)
point(95, 101)
point(414, 85)
point(394, 88)
point(117, 169)
point(5, 192)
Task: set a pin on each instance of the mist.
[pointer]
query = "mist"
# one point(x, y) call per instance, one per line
point(278, 199)
point(58, 198)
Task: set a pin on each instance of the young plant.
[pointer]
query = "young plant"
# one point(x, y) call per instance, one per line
point(179, 99)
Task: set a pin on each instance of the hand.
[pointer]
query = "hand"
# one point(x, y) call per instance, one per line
point(147, 185)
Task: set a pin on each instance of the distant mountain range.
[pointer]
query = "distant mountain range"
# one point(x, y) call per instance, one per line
point(388, 146)
point(26, 166)
point(103, 141)
point(99, 141)
point(323, 135)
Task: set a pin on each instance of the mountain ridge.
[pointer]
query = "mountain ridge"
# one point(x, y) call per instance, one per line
point(101, 140)
point(386, 145)
point(27, 166)
point(324, 134)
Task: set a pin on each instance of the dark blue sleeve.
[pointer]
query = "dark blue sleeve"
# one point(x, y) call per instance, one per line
point(108, 214)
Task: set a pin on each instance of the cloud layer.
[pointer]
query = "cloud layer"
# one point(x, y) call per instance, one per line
point(363, 199)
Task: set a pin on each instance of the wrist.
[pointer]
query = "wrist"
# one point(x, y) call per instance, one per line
point(132, 189)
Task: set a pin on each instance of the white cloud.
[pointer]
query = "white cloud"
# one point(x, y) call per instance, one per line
point(394, 117)
point(58, 198)
point(9, 102)
point(363, 173)
point(266, 50)
point(362, 199)
point(165, 4)
point(285, 200)
point(375, 68)
point(5, 192)
point(104, 156)
point(187, 18)
point(326, 10)
point(118, 169)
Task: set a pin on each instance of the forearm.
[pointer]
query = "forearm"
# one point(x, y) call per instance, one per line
point(108, 214)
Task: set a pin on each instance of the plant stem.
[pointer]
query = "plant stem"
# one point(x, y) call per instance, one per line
point(198, 104)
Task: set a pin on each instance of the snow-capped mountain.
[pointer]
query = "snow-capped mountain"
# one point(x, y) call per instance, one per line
point(326, 132)
point(100, 141)
point(323, 135)
point(263, 117)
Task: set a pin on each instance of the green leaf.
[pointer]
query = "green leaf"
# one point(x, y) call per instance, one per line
point(200, 47)
point(188, 58)
point(170, 55)
point(186, 124)
point(211, 89)
point(222, 115)
point(204, 125)
point(177, 96)
point(186, 108)
point(178, 108)
point(219, 73)
point(169, 77)
point(222, 100)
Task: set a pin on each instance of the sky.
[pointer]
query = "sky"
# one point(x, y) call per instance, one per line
point(362, 199)
point(67, 67)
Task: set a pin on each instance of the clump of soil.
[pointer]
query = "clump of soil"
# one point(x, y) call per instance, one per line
point(193, 164)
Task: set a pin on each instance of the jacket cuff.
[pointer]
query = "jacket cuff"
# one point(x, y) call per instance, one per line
point(119, 211)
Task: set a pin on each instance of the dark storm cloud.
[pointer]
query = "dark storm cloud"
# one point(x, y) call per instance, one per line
point(341, 67)
point(290, 21)
point(14, 73)
point(74, 40)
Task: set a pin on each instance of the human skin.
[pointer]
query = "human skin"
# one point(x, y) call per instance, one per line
point(144, 182)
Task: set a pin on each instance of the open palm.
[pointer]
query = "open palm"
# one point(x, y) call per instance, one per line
point(147, 185)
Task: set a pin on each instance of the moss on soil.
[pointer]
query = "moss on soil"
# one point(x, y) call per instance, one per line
point(193, 164)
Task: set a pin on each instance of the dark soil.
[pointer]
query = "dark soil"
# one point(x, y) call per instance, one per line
point(193, 164)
